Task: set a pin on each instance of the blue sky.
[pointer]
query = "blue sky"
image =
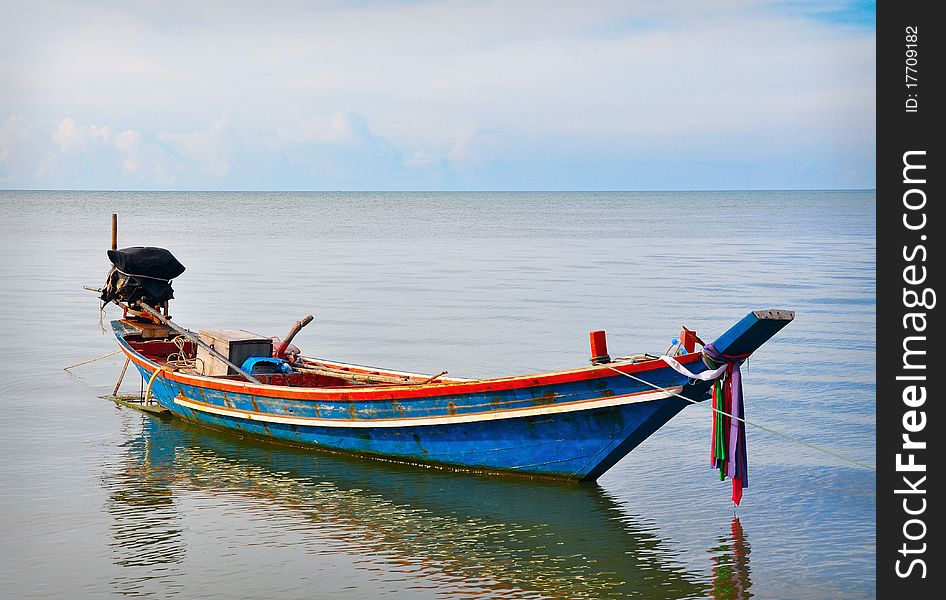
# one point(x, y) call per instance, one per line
point(457, 95)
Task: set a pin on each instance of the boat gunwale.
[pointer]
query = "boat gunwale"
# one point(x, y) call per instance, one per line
point(388, 392)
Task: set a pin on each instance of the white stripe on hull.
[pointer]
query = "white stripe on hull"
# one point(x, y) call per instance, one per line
point(515, 413)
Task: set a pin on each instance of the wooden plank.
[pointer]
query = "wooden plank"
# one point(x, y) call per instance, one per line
point(148, 330)
point(134, 402)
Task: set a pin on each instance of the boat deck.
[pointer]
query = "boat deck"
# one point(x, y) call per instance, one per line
point(307, 372)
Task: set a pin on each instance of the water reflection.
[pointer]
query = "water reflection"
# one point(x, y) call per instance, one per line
point(731, 566)
point(453, 533)
point(146, 528)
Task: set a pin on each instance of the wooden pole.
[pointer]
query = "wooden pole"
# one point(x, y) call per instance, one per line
point(281, 351)
point(431, 379)
point(356, 377)
point(121, 377)
point(114, 231)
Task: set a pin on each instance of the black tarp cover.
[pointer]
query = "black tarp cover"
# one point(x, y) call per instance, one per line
point(141, 273)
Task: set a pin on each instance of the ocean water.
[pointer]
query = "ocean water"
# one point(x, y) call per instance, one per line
point(101, 501)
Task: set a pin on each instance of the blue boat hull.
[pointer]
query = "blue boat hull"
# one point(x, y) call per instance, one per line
point(576, 445)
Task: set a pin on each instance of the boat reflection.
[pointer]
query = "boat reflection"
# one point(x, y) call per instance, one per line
point(471, 535)
point(146, 527)
point(731, 566)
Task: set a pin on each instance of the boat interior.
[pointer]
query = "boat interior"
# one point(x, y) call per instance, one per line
point(182, 354)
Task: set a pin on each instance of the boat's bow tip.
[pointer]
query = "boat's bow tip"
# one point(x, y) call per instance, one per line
point(775, 314)
point(752, 331)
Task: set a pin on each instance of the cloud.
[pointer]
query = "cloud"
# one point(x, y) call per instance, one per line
point(489, 90)
point(149, 162)
point(205, 150)
point(74, 155)
point(70, 137)
point(174, 156)
point(343, 127)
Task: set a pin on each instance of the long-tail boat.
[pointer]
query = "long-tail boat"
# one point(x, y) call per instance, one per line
point(572, 425)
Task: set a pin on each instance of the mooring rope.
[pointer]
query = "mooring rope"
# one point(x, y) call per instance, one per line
point(747, 422)
point(91, 360)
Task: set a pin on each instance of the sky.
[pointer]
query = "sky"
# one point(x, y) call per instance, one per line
point(453, 95)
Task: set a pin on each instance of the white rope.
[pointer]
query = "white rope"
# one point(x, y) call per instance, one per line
point(141, 276)
point(747, 422)
point(179, 359)
point(90, 361)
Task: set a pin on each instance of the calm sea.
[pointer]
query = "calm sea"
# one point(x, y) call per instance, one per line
point(100, 501)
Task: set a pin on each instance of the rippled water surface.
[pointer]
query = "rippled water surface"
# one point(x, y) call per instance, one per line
point(98, 501)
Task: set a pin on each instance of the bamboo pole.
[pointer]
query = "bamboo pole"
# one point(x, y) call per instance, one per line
point(368, 378)
point(114, 231)
point(121, 377)
point(356, 377)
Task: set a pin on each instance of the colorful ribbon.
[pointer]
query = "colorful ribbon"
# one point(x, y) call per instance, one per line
point(728, 451)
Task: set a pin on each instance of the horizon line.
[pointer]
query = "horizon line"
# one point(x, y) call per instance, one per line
point(407, 191)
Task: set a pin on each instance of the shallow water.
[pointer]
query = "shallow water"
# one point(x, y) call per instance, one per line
point(97, 500)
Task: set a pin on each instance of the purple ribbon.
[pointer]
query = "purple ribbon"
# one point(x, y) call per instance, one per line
point(737, 460)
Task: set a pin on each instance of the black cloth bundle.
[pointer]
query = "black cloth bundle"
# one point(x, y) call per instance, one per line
point(141, 273)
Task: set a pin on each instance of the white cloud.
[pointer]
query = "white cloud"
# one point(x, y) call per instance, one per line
point(70, 137)
point(205, 150)
point(343, 127)
point(589, 83)
point(147, 162)
point(97, 146)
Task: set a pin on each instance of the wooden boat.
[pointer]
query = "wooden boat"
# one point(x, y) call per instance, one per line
point(572, 425)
